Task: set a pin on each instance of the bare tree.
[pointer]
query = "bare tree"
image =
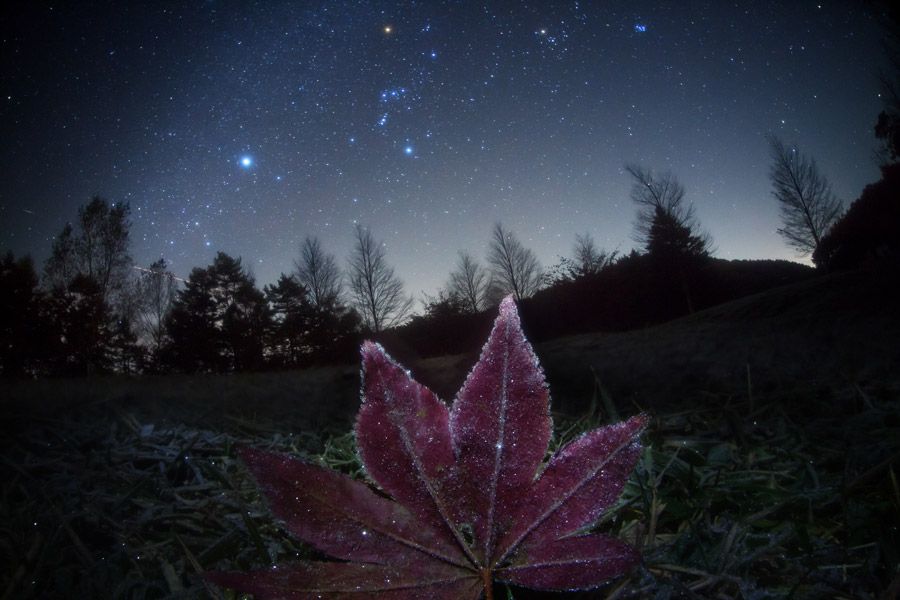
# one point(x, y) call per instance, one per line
point(587, 260)
point(515, 269)
point(469, 283)
point(808, 206)
point(155, 291)
point(377, 291)
point(318, 272)
point(659, 195)
point(97, 250)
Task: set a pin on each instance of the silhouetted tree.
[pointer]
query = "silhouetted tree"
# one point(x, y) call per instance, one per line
point(377, 291)
point(887, 127)
point(808, 207)
point(61, 267)
point(80, 327)
point(87, 273)
point(21, 330)
point(468, 284)
point(670, 240)
point(334, 334)
point(869, 232)
point(669, 232)
point(587, 261)
point(293, 318)
point(657, 195)
point(154, 292)
point(125, 355)
point(219, 321)
point(97, 249)
point(514, 267)
point(317, 271)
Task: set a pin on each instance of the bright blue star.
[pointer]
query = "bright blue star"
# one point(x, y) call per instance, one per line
point(640, 27)
point(246, 161)
point(408, 150)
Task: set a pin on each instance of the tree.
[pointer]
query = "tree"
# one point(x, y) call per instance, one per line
point(869, 231)
point(20, 326)
point(317, 271)
point(887, 127)
point(657, 195)
point(469, 283)
point(377, 291)
point(219, 321)
point(671, 241)
point(668, 230)
point(293, 316)
point(98, 249)
point(80, 327)
point(514, 267)
point(154, 293)
point(808, 207)
point(587, 261)
point(87, 273)
point(61, 267)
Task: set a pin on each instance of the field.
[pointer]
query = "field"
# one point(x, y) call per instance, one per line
point(770, 469)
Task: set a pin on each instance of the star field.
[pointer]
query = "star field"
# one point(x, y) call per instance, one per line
point(243, 127)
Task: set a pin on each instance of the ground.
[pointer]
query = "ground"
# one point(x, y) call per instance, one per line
point(770, 468)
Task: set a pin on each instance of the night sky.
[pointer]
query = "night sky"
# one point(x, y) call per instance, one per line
point(244, 126)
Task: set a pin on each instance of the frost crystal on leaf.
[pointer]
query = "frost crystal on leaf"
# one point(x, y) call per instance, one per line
point(465, 506)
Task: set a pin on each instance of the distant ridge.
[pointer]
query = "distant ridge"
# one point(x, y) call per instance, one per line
point(831, 329)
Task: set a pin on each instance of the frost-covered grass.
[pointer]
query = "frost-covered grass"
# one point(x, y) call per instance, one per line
point(790, 495)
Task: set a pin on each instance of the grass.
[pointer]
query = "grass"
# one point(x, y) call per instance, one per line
point(791, 494)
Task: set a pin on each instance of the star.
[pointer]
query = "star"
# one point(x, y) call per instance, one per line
point(246, 161)
point(408, 150)
point(388, 30)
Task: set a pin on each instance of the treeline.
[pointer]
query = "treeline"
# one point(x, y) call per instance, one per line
point(92, 311)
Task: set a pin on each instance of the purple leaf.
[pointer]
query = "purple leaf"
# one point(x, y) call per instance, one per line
point(331, 580)
point(404, 440)
point(575, 563)
point(501, 426)
point(467, 505)
point(578, 485)
point(342, 517)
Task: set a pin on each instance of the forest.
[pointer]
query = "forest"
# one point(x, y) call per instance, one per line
point(92, 311)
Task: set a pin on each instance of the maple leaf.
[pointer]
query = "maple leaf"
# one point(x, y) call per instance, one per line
point(470, 499)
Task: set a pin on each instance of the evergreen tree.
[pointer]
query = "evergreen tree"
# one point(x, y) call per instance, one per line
point(671, 241)
point(79, 325)
point(20, 327)
point(293, 317)
point(219, 321)
point(675, 253)
point(869, 232)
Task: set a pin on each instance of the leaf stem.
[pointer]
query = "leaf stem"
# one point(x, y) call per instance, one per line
point(488, 584)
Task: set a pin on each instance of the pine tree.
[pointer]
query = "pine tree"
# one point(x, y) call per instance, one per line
point(219, 321)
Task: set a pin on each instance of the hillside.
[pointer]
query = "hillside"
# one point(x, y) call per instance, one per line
point(835, 329)
point(120, 487)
